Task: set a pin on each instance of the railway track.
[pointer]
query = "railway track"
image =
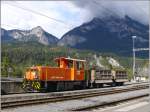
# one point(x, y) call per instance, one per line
point(63, 96)
point(113, 103)
point(126, 84)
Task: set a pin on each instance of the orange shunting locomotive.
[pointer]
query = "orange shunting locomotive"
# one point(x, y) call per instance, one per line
point(70, 74)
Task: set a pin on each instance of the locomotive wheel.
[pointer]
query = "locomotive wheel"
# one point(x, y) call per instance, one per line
point(26, 85)
point(29, 86)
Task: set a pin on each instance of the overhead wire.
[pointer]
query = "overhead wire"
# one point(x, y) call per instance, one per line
point(41, 14)
point(106, 9)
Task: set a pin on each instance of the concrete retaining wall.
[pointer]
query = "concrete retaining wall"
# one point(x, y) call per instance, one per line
point(8, 87)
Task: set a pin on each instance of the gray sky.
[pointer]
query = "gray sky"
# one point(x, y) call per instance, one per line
point(68, 14)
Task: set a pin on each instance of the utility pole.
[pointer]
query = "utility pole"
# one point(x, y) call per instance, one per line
point(133, 37)
point(136, 50)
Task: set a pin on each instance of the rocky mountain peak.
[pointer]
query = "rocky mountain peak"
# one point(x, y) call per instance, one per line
point(37, 31)
point(110, 34)
point(38, 28)
point(35, 34)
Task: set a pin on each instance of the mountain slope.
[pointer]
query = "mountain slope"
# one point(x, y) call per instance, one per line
point(110, 34)
point(5, 36)
point(36, 34)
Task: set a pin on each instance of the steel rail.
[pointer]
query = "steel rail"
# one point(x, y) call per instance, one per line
point(71, 96)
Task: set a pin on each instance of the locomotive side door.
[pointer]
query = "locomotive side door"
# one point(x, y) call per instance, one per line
point(71, 66)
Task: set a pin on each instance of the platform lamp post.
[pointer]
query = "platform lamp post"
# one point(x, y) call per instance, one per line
point(9, 70)
point(133, 38)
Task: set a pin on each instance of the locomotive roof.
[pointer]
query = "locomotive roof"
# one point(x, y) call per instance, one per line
point(70, 59)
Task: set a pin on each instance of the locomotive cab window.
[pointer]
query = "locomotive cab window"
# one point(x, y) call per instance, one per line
point(70, 64)
point(79, 65)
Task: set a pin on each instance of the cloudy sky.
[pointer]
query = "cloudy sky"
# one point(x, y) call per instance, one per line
point(58, 17)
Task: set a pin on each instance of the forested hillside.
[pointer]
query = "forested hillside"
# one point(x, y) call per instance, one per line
point(19, 55)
